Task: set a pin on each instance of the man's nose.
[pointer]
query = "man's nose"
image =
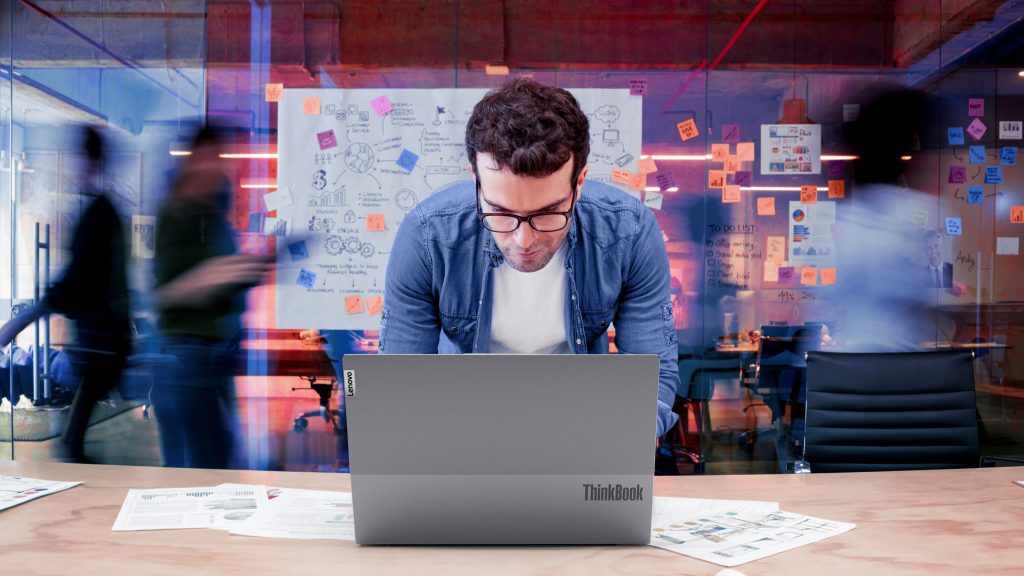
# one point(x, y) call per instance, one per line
point(524, 235)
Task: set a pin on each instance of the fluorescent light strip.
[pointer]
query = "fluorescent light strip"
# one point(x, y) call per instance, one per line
point(233, 155)
point(656, 189)
point(259, 186)
point(779, 188)
point(701, 158)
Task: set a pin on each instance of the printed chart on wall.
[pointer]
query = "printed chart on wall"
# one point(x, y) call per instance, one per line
point(353, 163)
point(812, 233)
point(790, 149)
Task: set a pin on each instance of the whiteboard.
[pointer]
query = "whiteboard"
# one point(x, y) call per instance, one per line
point(348, 174)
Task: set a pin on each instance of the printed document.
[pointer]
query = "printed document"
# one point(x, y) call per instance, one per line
point(219, 507)
point(16, 490)
point(305, 514)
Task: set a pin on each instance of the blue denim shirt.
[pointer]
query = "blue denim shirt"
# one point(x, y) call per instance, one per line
point(438, 288)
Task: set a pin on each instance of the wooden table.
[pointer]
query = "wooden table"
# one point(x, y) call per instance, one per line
point(936, 523)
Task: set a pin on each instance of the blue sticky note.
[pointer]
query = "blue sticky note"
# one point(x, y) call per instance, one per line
point(256, 222)
point(1008, 156)
point(977, 154)
point(993, 174)
point(975, 195)
point(298, 251)
point(306, 279)
point(742, 178)
point(407, 160)
point(953, 226)
point(956, 136)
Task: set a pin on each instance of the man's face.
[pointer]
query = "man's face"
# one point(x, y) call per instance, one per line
point(933, 249)
point(501, 191)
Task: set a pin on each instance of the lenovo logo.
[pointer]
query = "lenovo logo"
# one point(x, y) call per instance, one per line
point(349, 383)
point(612, 493)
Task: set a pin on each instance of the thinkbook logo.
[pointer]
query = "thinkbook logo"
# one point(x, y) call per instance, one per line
point(612, 493)
point(350, 383)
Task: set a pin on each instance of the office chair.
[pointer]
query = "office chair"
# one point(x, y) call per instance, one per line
point(890, 411)
point(696, 388)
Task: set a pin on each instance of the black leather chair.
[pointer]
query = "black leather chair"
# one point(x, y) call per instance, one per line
point(890, 411)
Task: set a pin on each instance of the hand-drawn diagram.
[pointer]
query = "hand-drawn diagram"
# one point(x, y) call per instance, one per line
point(355, 175)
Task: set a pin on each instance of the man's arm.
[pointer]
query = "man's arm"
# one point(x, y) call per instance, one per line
point(644, 323)
point(410, 323)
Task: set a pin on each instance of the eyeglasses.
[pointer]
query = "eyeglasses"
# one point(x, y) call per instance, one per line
point(539, 221)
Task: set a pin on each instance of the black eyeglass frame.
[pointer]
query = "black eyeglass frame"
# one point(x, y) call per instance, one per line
point(482, 216)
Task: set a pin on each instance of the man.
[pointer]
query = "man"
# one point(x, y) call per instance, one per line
point(526, 259)
point(939, 273)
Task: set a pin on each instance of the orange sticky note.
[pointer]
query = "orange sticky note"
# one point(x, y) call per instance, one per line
point(745, 151)
point(809, 276)
point(837, 188)
point(375, 222)
point(731, 194)
point(621, 176)
point(719, 152)
point(808, 194)
point(716, 178)
point(374, 304)
point(732, 164)
point(687, 130)
point(311, 105)
point(828, 276)
point(766, 206)
point(1017, 214)
point(273, 92)
point(637, 180)
point(646, 165)
point(353, 304)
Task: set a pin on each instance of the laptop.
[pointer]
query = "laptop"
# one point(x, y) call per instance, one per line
point(493, 449)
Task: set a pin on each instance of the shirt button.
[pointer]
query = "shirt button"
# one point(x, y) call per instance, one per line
point(454, 329)
point(578, 341)
point(573, 296)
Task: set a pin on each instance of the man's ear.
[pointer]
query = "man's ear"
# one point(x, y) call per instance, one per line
point(579, 180)
point(469, 168)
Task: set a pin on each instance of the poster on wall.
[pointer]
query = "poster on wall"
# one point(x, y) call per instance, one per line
point(811, 233)
point(790, 149)
point(353, 163)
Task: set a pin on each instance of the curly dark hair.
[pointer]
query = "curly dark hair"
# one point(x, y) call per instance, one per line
point(529, 128)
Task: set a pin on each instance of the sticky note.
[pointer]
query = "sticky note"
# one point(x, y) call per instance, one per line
point(955, 136)
point(743, 178)
point(353, 304)
point(256, 222)
point(638, 87)
point(836, 169)
point(374, 304)
point(637, 180)
point(787, 275)
point(920, 218)
point(381, 105)
point(326, 139)
point(957, 174)
point(828, 276)
point(808, 194)
point(298, 251)
point(646, 165)
point(771, 272)
point(976, 128)
point(407, 160)
point(277, 199)
point(731, 194)
point(716, 178)
point(306, 279)
point(719, 152)
point(1011, 130)
point(375, 222)
point(993, 174)
point(809, 276)
point(654, 200)
point(766, 206)
point(1007, 246)
point(687, 129)
point(1017, 214)
point(975, 195)
point(975, 106)
point(1008, 155)
point(730, 132)
point(745, 151)
point(837, 189)
point(953, 226)
point(311, 105)
point(665, 181)
point(272, 92)
point(621, 176)
point(977, 154)
point(732, 165)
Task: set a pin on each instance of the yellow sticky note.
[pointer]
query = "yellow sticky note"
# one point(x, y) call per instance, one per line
point(745, 151)
point(766, 206)
point(809, 276)
point(808, 194)
point(646, 165)
point(273, 92)
point(687, 130)
point(837, 188)
point(1017, 214)
point(732, 164)
point(621, 176)
point(374, 304)
point(730, 194)
point(311, 105)
point(637, 180)
point(719, 152)
point(353, 304)
point(375, 222)
point(716, 178)
point(828, 276)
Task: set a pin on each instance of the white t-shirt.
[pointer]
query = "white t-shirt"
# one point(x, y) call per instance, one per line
point(528, 310)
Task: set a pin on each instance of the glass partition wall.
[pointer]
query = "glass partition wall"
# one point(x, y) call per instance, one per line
point(747, 110)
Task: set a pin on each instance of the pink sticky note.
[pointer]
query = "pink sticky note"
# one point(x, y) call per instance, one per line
point(808, 194)
point(353, 304)
point(975, 106)
point(375, 222)
point(957, 174)
point(311, 105)
point(976, 128)
point(273, 92)
point(731, 194)
point(732, 164)
point(374, 304)
point(837, 189)
point(326, 139)
point(637, 180)
point(716, 178)
point(766, 206)
point(687, 130)
point(745, 151)
point(809, 276)
point(828, 276)
point(621, 176)
point(730, 132)
point(1017, 214)
point(646, 165)
point(381, 105)
point(638, 87)
point(787, 275)
point(719, 152)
